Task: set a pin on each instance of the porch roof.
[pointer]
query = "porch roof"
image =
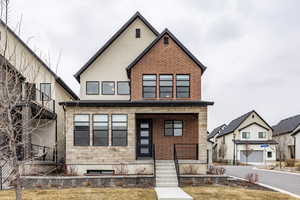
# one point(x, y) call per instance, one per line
point(127, 103)
point(255, 142)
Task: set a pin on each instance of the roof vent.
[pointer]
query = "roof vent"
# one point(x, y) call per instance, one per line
point(166, 40)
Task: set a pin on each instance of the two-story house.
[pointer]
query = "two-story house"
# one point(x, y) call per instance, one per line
point(286, 133)
point(247, 139)
point(140, 101)
point(42, 118)
point(212, 145)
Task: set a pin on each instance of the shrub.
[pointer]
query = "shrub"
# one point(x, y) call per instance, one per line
point(290, 163)
point(190, 169)
point(216, 170)
point(252, 177)
point(297, 166)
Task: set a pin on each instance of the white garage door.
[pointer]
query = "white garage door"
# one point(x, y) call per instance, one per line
point(253, 156)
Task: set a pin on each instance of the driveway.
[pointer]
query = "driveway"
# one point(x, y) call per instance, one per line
point(283, 181)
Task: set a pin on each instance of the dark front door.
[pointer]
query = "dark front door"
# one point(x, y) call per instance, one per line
point(144, 138)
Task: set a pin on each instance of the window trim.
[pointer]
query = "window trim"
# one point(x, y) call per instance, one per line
point(189, 96)
point(93, 142)
point(149, 86)
point(86, 84)
point(173, 128)
point(88, 131)
point(43, 92)
point(118, 87)
point(111, 127)
point(108, 82)
point(172, 93)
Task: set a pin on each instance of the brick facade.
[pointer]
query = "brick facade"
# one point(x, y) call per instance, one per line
point(166, 59)
point(164, 145)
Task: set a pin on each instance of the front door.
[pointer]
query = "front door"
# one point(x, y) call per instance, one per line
point(144, 138)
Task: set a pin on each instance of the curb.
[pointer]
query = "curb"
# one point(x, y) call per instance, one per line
point(271, 187)
point(277, 171)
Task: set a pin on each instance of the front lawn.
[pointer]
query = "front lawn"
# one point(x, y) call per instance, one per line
point(199, 193)
point(230, 193)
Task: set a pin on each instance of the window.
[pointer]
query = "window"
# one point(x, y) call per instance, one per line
point(245, 135)
point(166, 40)
point(165, 86)
point(149, 86)
point(108, 87)
point(137, 33)
point(123, 87)
point(100, 130)
point(92, 87)
point(269, 154)
point(81, 130)
point(173, 128)
point(119, 130)
point(182, 86)
point(45, 91)
point(262, 135)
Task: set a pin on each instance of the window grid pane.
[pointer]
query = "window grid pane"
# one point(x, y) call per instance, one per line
point(182, 86)
point(149, 86)
point(100, 130)
point(165, 86)
point(123, 88)
point(173, 128)
point(92, 87)
point(108, 88)
point(81, 130)
point(45, 91)
point(119, 130)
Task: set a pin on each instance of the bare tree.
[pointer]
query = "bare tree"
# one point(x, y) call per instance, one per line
point(222, 151)
point(280, 149)
point(22, 107)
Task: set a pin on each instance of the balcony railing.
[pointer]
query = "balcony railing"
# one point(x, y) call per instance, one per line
point(42, 153)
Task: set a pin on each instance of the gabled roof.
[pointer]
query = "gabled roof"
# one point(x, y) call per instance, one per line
point(234, 124)
point(287, 125)
point(57, 78)
point(166, 31)
point(112, 39)
point(216, 131)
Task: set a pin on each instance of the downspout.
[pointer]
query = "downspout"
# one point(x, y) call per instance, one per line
point(65, 145)
point(56, 154)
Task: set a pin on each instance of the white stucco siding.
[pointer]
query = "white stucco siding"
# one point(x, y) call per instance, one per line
point(254, 129)
point(111, 64)
point(297, 148)
point(23, 60)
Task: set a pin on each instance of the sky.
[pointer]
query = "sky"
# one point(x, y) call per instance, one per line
point(251, 48)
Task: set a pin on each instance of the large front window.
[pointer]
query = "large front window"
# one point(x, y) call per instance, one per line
point(182, 86)
point(173, 128)
point(100, 130)
point(149, 86)
point(119, 128)
point(165, 86)
point(81, 130)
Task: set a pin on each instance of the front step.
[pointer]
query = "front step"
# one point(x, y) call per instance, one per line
point(166, 174)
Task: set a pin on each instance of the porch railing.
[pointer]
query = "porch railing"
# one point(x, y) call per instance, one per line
point(5, 172)
point(176, 164)
point(154, 161)
point(42, 153)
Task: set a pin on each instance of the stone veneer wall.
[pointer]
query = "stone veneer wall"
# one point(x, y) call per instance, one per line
point(95, 155)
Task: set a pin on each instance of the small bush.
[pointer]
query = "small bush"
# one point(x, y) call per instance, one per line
point(290, 163)
point(216, 170)
point(252, 177)
point(297, 167)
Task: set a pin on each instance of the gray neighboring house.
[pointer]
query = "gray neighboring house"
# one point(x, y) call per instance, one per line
point(212, 145)
point(285, 133)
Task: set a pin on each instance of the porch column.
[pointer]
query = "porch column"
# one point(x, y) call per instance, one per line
point(26, 135)
point(202, 133)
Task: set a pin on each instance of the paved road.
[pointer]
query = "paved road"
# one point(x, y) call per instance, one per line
point(288, 182)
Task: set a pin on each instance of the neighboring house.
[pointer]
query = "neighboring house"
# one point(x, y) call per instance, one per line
point(296, 135)
point(285, 133)
point(47, 90)
point(247, 139)
point(211, 137)
point(140, 100)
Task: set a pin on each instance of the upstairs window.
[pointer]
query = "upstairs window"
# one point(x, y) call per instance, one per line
point(92, 87)
point(149, 86)
point(119, 130)
point(123, 88)
point(81, 130)
point(182, 86)
point(45, 91)
point(166, 40)
point(173, 128)
point(262, 135)
point(137, 33)
point(165, 86)
point(245, 135)
point(108, 87)
point(100, 130)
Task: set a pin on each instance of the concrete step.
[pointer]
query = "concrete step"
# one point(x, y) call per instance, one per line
point(166, 175)
point(171, 193)
point(164, 167)
point(171, 178)
point(164, 161)
point(166, 184)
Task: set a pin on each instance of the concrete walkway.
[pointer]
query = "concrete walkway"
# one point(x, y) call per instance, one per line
point(283, 181)
point(171, 193)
